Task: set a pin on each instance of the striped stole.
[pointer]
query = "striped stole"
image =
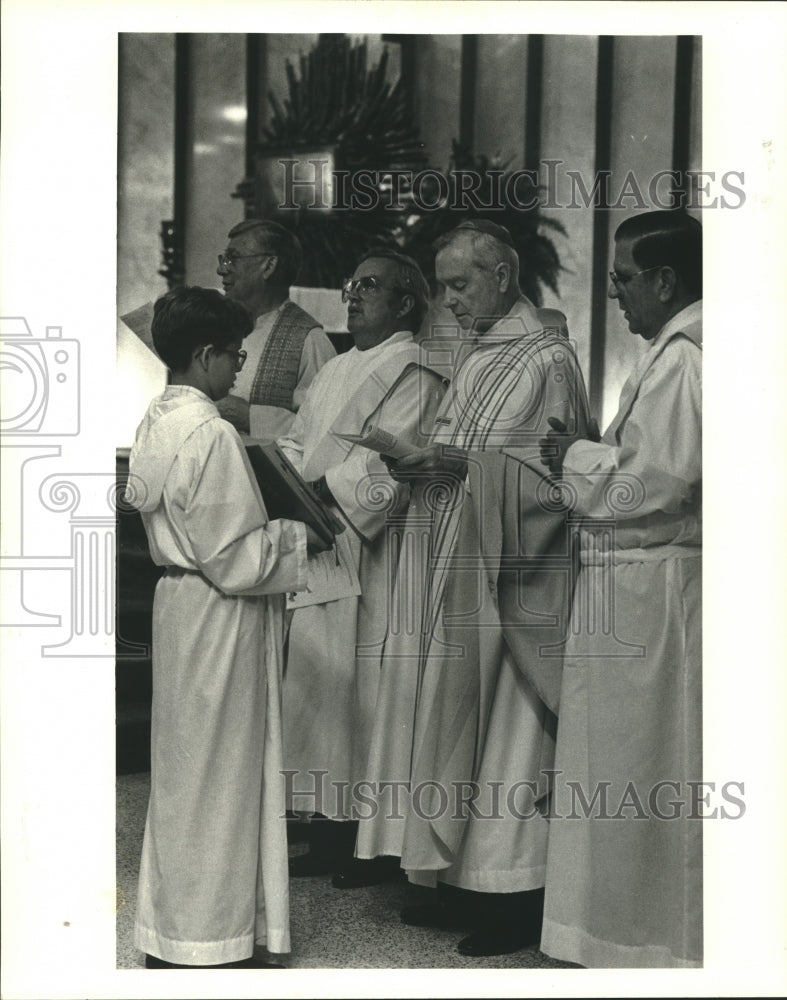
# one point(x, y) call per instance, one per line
point(277, 373)
point(487, 383)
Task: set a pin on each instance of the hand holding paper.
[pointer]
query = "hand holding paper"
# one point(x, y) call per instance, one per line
point(376, 439)
point(434, 460)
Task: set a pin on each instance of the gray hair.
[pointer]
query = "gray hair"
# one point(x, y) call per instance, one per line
point(487, 251)
point(275, 239)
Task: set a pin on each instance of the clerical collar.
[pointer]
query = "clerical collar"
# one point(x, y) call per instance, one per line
point(686, 317)
point(520, 321)
point(397, 338)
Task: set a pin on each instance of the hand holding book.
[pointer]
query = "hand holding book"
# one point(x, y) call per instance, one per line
point(286, 494)
point(314, 542)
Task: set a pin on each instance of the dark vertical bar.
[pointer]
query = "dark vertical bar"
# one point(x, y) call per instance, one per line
point(407, 63)
point(467, 91)
point(681, 134)
point(409, 68)
point(253, 66)
point(247, 189)
point(173, 231)
point(119, 108)
point(535, 85)
point(603, 159)
point(182, 151)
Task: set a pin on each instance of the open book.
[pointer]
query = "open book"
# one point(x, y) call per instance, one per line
point(286, 494)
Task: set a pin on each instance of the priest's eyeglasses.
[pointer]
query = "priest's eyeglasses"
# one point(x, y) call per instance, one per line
point(621, 280)
point(229, 259)
point(240, 356)
point(364, 288)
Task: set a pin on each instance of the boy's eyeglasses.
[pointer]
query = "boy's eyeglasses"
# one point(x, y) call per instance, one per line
point(240, 356)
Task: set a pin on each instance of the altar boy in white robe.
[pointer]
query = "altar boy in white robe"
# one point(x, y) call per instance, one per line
point(335, 642)
point(213, 876)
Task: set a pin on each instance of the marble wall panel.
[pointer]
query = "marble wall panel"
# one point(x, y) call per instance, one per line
point(146, 158)
point(146, 162)
point(642, 135)
point(568, 114)
point(695, 127)
point(218, 150)
point(500, 94)
point(437, 91)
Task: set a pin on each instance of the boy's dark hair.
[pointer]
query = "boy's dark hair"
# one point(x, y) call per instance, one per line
point(190, 317)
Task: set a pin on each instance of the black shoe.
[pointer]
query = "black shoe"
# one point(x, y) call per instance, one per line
point(309, 864)
point(497, 940)
point(447, 907)
point(438, 915)
point(297, 830)
point(331, 847)
point(151, 962)
point(256, 963)
point(361, 872)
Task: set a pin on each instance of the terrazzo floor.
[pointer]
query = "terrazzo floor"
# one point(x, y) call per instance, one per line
point(331, 928)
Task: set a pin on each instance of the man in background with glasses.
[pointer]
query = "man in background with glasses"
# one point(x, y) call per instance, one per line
point(287, 346)
point(628, 893)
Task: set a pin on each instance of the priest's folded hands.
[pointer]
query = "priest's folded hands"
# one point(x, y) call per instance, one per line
point(421, 463)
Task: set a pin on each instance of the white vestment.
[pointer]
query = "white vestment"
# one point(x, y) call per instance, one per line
point(624, 877)
point(465, 696)
point(213, 875)
point(334, 648)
